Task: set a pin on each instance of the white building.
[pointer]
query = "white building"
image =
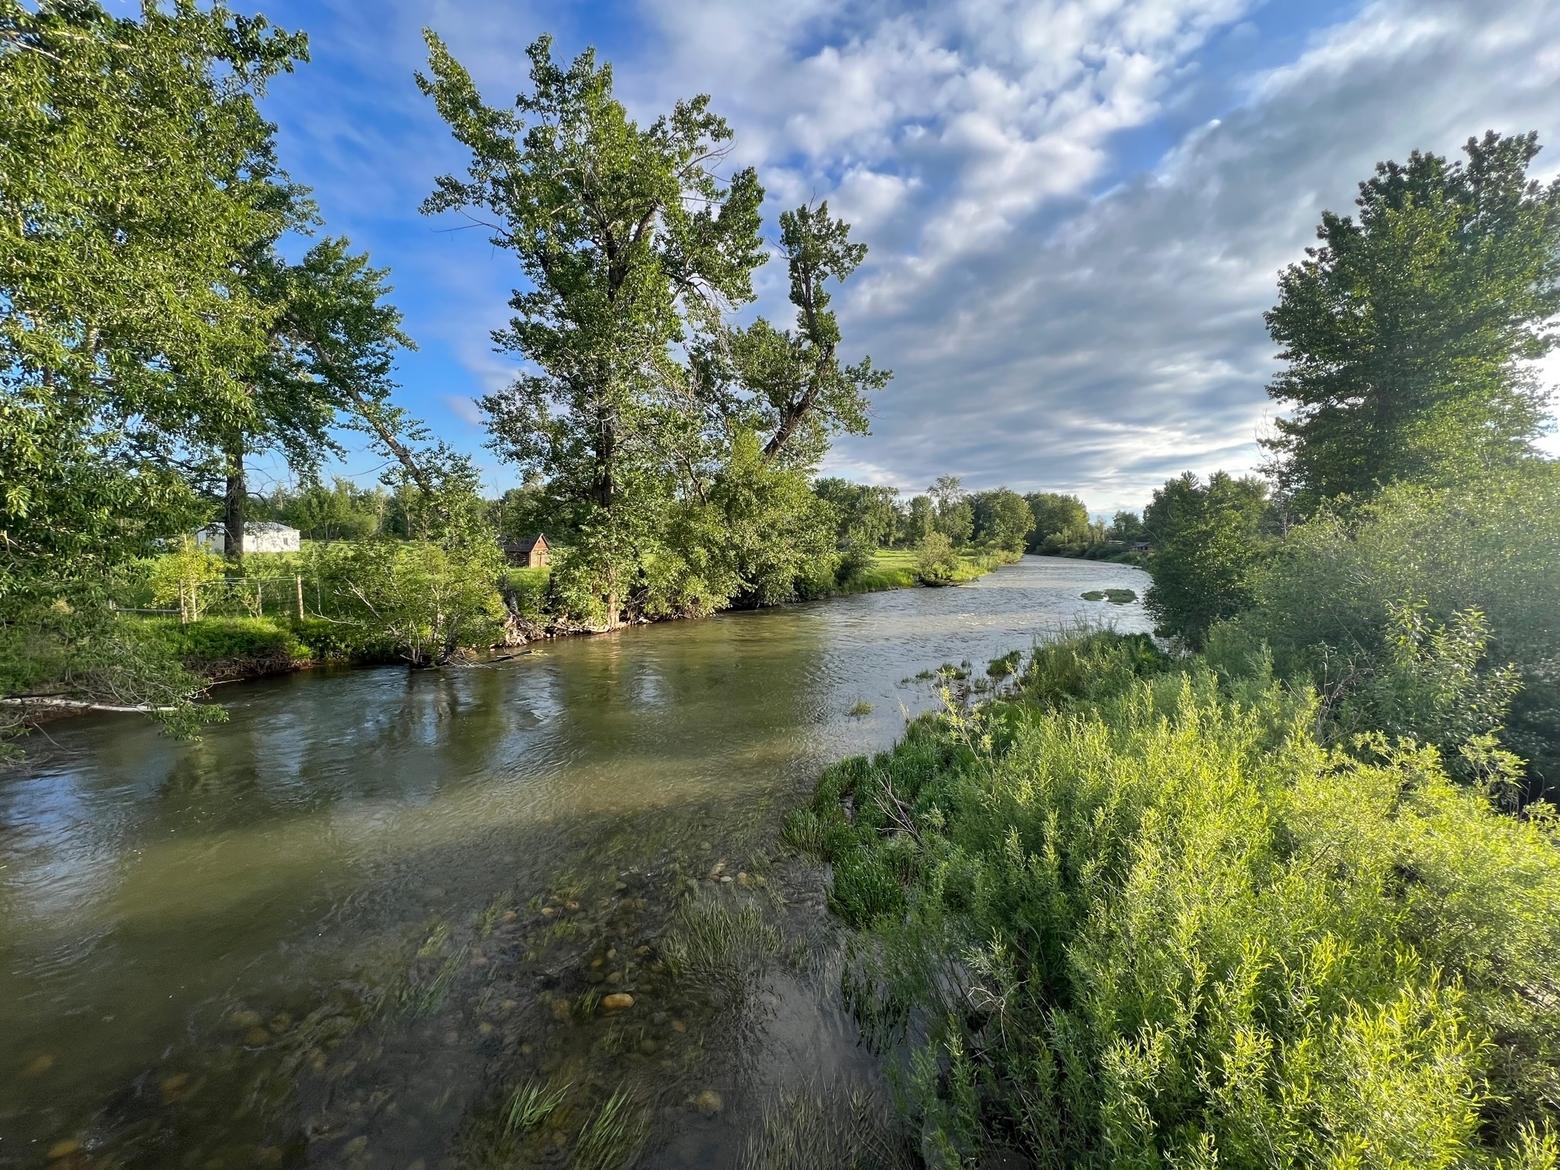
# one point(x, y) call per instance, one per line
point(260, 536)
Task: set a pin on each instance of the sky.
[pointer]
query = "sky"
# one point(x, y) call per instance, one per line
point(1076, 209)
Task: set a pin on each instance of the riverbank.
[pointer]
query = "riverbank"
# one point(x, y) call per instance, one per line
point(1133, 904)
point(226, 649)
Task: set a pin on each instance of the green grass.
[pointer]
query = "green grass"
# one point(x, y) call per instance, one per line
point(1114, 596)
point(614, 1136)
point(530, 1105)
point(895, 568)
point(218, 646)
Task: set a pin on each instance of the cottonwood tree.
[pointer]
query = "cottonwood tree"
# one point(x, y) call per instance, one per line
point(1059, 519)
point(1002, 517)
point(1126, 526)
point(803, 392)
point(865, 513)
point(954, 516)
point(638, 396)
point(628, 238)
point(327, 364)
point(1410, 331)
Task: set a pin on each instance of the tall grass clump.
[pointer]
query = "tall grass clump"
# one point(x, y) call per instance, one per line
point(1144, 918)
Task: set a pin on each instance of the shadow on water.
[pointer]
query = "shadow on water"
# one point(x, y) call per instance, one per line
point(383, 919)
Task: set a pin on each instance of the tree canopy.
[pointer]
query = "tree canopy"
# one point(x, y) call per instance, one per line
point(1409, 332)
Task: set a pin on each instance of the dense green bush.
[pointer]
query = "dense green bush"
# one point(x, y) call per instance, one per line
point(219, 647)
point(1324, 606)
point(526, 592)
point(1144, 918)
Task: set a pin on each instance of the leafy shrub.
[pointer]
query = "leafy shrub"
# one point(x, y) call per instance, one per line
point(428, 601)
point(525, 591)
point(1486, 546)
point(1164, 926)
point(225, 647)
point(936, 562)
point(855, 558)
point(338, 641)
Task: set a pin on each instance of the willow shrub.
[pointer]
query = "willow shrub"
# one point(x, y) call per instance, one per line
point(1170, 928)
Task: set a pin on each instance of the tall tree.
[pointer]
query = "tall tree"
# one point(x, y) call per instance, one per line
point(327, 363)
point(1003, 518)
point(1059, 520)
point(123, 333)
point(955, 517)
point(1126, 526)
point(629, 238)
point(866, 514)
point(1409, 331)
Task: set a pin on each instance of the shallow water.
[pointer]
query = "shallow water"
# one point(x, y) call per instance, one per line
point(347, 924)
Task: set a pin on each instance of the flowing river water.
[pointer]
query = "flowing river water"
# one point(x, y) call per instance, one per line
point(345, 927)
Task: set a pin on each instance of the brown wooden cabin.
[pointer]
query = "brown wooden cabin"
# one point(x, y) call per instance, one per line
point(527, 553)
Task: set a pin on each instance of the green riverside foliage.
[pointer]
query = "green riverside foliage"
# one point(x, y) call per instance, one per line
point(936, 560)
point(1209, 548)
point(1135, 915)
point(1324, 605)
point(122, 329)
point(1058, 521)
point(217, 647)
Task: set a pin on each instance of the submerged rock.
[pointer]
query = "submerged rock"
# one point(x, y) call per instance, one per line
point(39, 1065)
point(64, 1148)
point(616, 1002)
point(708, 1103)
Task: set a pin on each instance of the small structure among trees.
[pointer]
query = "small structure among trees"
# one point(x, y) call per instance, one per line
point(529, 552)
point(260, 536)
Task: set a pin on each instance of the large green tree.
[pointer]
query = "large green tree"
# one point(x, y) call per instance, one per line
point(638, 396)
point(1058, 520)
point(327, 364)
point(629, 240)
point(124, 333)
point(866, 514)
point(1002, 517)
point(1410, 331)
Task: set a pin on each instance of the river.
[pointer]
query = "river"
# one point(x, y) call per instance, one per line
point(349, 923)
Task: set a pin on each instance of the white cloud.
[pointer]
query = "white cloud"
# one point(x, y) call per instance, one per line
point(1060, 312)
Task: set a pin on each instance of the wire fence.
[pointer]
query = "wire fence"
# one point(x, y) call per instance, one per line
point(285, 595)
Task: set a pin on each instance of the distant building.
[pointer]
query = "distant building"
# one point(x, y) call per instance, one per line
point(1140, 546)
point(527, 553)
point(260, 536)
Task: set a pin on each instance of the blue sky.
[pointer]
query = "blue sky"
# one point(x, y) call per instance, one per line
point(1076, 208)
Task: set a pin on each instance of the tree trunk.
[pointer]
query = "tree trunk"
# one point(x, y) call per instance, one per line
point(234, 501)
